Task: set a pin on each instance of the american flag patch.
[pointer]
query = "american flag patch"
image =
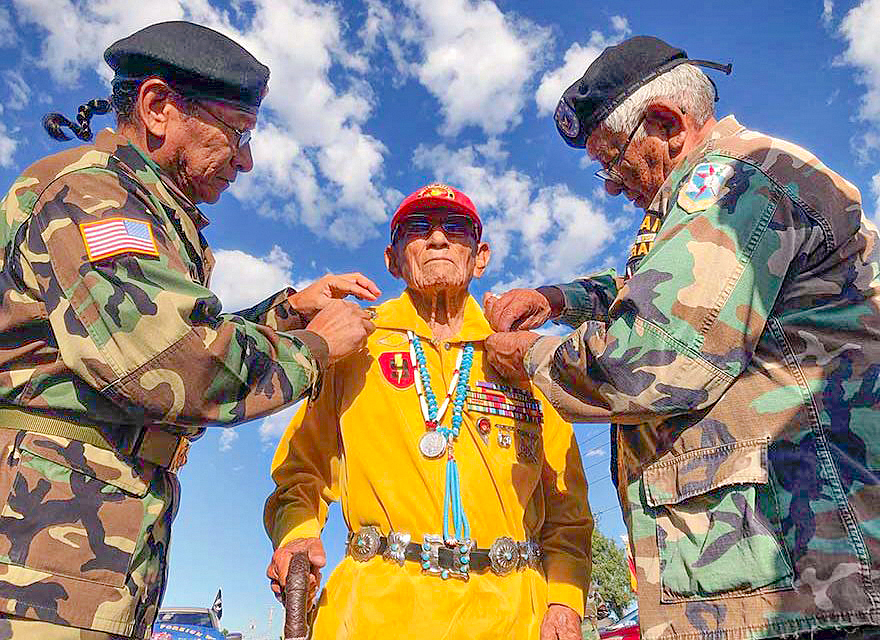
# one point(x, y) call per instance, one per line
point(113, 236)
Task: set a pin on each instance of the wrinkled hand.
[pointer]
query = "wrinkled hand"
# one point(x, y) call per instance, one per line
point(561, 623)
point(318, 295)
point(344, 326)
point(505, 352)
point(277, 571)
point(517, 309)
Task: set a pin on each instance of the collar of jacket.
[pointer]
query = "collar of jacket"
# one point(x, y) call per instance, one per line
point(111, 142)
point(400, 314)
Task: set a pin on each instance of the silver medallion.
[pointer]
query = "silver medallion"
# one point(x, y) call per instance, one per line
point(432, 444)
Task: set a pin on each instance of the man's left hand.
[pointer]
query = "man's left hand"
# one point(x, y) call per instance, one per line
point(505, 352)
point(317, 295)
point(561, 623)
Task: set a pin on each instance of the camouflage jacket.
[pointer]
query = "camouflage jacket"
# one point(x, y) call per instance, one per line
point(137, 337)
point(118, 340)
point(744, 355)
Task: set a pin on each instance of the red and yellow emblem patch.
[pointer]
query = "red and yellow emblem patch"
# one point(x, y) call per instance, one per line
point(437, 190)
point(397, 368)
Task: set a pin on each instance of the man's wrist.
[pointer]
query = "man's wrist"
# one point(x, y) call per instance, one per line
point(555, 298)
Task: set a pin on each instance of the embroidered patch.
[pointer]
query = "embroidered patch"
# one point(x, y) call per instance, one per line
point(113, 236)
point(567, 120)
point(397, 369)
point(705, 186)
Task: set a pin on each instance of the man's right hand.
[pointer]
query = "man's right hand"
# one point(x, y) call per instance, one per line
point(517, 310)
point(277, 571)
point(344, 327)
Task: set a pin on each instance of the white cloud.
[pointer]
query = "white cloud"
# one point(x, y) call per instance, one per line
point(476, 60)
point(19, 91)
point(7, 32)
point(314, 162)
point(860, 27)
point(827, 13)
point(241, 280)
point(227, 437)
point(555, 232)
point(274, 426)
point(875, 189)
point(8, 144)
point(592, 453)
point(575, 62)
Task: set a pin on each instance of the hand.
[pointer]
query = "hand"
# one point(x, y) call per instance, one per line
point(277, 571)
point(505, 352)
point(516, 309)
point(561, 623)
point(344, 327)
point(317, 295)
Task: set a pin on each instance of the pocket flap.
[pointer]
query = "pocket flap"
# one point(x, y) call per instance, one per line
point(671, 480)
point(98, 463)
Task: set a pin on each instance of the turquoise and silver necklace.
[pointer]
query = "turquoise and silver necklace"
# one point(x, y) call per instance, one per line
point(438, 439)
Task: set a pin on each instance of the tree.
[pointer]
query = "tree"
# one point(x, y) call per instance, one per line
point(610, 573)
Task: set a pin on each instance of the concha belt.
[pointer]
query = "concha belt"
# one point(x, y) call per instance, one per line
point(446, 558)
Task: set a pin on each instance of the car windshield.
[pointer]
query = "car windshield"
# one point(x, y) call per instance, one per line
point(193, 618)
point(629, 619)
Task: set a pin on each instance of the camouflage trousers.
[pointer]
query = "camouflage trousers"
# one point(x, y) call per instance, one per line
point(855, 633)
point(83, 539)
point(12, 628)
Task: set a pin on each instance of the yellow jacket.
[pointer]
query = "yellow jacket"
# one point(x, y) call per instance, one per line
point(358, 443)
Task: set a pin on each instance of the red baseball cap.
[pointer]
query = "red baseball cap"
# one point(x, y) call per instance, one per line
point(437, 195)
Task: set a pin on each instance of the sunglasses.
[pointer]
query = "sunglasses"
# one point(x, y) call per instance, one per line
point(454, 225)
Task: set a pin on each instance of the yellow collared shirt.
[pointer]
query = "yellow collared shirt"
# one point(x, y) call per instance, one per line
point(358, 443)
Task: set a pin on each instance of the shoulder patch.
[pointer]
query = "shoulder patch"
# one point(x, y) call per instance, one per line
point(397, 368)
point(113, 236)
point(705, 186)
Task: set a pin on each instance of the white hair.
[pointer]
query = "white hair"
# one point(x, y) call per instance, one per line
point(685, 85)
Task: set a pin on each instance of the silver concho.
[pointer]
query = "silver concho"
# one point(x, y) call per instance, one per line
point(396, 549)
point(364, 544)
point(432, 444)
point(503, 556)
point(567, 120)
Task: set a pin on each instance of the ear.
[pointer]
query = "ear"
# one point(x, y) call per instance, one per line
point(153, 106)
point(482, 259)
point(391, 261)
point(666, 121)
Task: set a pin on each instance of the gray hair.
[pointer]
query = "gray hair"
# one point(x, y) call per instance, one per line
point(685, 85)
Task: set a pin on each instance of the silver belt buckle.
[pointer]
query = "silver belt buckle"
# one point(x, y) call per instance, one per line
point(460, 549)
point(180, 455)
point(364, 544)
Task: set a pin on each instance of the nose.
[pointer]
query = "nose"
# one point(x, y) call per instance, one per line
point(437, 238)
point(242, 159)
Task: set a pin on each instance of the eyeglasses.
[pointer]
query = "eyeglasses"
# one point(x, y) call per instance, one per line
point(454, 225)
point(244, 135)
point(611, 173)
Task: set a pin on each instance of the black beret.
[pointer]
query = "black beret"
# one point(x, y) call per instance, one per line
point(195, 60)
point(612, 77)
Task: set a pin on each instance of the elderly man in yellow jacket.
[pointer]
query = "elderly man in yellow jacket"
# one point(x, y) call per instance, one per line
point(465, 498)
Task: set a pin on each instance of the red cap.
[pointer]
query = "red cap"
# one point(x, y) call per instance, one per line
point(437, 195)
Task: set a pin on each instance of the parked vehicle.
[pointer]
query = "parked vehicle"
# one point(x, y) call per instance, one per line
point(627, 628)
point(189, 623)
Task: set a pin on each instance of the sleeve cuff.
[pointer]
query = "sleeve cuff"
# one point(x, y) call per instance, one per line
point(309, 528)
point(539, 352)
point(566, 584)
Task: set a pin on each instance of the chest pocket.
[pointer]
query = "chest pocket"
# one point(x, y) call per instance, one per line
point(717, 522)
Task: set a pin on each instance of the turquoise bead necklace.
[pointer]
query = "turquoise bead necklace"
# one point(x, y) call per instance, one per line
point(439, 439)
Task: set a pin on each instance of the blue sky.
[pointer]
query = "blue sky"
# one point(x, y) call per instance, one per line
point(370, 99)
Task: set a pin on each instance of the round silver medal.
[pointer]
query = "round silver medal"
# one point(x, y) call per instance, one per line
point(432, 444)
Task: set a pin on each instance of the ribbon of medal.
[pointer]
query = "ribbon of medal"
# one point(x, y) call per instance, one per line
point(438, 439)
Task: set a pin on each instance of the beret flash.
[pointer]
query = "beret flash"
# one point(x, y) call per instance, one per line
point(197, 61)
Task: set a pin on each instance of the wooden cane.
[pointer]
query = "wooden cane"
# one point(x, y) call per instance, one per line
point(296, 593)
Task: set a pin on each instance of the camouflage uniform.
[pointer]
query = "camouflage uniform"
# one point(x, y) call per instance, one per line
point(742, 358)
point(135, 346)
